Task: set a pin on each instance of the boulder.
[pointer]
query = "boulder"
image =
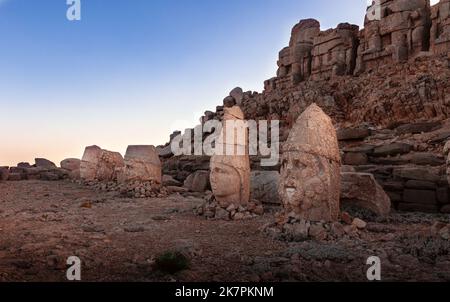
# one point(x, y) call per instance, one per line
point(237, 94)
point(14, 177)
point(264, 186)
point(44, 163)
point(142, 163)
point(169, 181)
point(100, 165)
point(229, 102)
point(4, 173)
point(24, 165)
point(72, 165)
point(198, 181)
point(362, 190)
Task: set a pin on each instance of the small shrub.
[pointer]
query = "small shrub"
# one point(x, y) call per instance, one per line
point(171, 262)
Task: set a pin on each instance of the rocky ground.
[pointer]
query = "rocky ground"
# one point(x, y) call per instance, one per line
point(118, 239)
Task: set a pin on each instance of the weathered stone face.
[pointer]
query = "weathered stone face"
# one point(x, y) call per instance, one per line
point(101, 165)
point(142, 163)
point(230, 174)
point(310, 171)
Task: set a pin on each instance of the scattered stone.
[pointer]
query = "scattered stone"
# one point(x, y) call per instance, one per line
point(237, 94)
point(360, 224)
point(346, 218)
point(134, 229)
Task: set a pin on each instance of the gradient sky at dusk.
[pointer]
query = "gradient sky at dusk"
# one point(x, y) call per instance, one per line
point(132, 71)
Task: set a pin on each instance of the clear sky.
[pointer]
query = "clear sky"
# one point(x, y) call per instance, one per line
point(132, 71)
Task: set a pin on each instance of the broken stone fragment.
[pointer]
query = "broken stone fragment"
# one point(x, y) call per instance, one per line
point(100, 165)
point(362, 190)
point(141, 163)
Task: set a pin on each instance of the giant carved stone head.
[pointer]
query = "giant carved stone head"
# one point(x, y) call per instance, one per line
point(310, 171)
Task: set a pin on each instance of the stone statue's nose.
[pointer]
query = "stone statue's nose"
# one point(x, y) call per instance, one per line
point(290, 192)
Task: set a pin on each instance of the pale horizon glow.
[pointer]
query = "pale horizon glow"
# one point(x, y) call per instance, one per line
point(132, 72)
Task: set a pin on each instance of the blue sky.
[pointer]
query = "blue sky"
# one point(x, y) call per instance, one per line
point(131, 71)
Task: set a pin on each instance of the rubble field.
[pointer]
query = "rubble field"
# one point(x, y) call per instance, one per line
point(119, 239)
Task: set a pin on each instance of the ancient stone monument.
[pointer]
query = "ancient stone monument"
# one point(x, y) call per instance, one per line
point(310, 172)
point(230, 173)
point(100, 165)
point(401, 32)
point(142, 163)
point(296, 59)
point(334, 51)
point(440, 30)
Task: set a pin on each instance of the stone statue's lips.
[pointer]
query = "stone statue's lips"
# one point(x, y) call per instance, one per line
point(287, 148)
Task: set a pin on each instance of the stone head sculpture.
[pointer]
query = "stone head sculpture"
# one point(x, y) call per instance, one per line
point(310, 171)
point(230, 173)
